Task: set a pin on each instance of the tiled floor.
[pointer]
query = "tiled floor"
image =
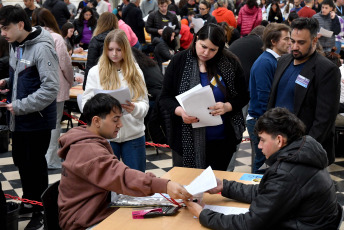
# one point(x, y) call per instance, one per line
point(158, 164)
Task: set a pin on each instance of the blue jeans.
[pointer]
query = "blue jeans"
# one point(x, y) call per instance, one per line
point(133, 153)
point(259, 157)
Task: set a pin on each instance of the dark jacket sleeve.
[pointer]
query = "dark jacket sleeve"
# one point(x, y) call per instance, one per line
point(326, 106)
point(79, 28)
point(163, 51)
point(335, 25)
point(150, 28)
point(239, 191)
point(278, 197)
point(94, 52)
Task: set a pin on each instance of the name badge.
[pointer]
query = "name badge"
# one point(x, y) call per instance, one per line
point(301, 80)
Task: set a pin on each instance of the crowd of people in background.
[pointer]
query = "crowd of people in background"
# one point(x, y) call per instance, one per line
point(235, 51)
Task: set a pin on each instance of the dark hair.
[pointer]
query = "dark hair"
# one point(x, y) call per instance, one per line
point(278, 10)
point(100, 105)
point(14, 14)
point(310, 24)
point(142, 59)
point(328, 2)
point(65, 28)
point(206, 3)
point(252, 3)
point(333, 57)
point(92, 21)
point(216, 35)
point(4, 47)
point(43, 17)
point(166, 37)
point(292, 16)
point(273, 32)
point(258, 30)
point(280, 121)
point(264, 23)
point(160, 2)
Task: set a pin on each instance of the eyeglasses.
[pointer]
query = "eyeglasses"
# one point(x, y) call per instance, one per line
point(203, 8)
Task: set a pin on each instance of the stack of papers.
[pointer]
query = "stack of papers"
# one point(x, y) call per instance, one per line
point(195, 102)
point(122, 94)
point(226, 210)
point(198, 24)
point(203, 182)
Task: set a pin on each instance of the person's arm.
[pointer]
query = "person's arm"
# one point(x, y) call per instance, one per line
point(164, 51)
point(326, 107)
point(64, 60)
point(263, 77)
point(105, 171)
point(150, 25)
point(259, 18)
point(142, 104)
point(65, 11)
point(277, 198)
point(94, 53)
point(47, 67)
point(139, 20)
point(91, 84)
point(335, 25)
point(78, 37)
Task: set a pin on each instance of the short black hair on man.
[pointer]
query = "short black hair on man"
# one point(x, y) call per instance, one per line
point(328, 2)
point(14, 14)
point(280, 121)
point(100, 105)
point(310, 24)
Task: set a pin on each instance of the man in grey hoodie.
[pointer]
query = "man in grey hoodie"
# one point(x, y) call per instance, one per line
point(32, 88)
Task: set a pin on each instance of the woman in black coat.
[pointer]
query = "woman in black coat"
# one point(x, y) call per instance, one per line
point(204, 8)
point(166, 46)
point(85, 23)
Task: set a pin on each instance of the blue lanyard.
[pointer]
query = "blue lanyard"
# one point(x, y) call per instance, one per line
point(340, 10)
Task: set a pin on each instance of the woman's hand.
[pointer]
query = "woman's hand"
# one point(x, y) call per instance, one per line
point(332, 14)
point(129, 107)
point(179, 111)
point(220, 108)
point(193, 207)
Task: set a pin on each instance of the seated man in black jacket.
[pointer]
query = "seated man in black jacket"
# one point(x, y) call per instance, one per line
point(296, 191)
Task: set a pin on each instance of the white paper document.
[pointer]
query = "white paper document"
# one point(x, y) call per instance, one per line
point(195, 102)
point(203, 182)
point(79, 55)
point(198, 24)
point(226, 210)
point(122, 94)
point(325, 32)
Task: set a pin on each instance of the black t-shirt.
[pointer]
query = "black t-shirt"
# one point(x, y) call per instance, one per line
point(29, 13)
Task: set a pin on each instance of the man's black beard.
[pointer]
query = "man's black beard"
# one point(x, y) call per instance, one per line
point(309, 52)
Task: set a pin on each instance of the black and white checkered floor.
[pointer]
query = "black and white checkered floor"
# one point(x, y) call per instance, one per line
point(158, 164)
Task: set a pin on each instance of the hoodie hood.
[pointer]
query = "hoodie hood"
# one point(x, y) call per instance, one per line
point(79, 136)
point(220, 11)
point(249, 11)
point(51, 3)
point(306, 151)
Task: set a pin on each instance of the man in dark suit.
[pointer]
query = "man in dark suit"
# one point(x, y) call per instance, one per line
point(308, 84)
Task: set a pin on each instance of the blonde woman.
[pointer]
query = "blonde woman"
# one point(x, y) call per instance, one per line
point(117, 68)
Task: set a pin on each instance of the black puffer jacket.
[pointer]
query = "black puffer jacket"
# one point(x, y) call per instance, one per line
point(207, 18)
point(296, 192)
point(95, 50)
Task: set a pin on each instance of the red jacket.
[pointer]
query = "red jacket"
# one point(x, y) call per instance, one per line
point(306, 12)
point(186, 36)
point(249, 18)
point(224, 15)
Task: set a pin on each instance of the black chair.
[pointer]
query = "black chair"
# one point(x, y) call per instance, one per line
point(51, 213)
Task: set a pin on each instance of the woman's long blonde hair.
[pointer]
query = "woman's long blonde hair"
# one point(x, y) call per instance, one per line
point(109, 78)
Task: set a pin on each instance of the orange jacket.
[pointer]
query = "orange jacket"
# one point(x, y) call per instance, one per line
point(224, 15)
